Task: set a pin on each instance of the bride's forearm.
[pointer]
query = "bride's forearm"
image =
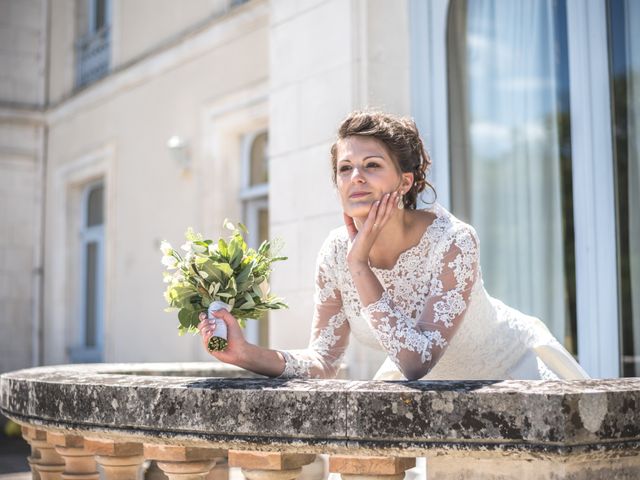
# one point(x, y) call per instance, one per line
point(367, 284)
point(263, 361)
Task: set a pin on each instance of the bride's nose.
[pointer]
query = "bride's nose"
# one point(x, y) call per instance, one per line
point(357, 176)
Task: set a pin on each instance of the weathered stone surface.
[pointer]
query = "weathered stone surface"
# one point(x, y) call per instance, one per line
point(139, 403)
point(550, 415)
point(213, 408)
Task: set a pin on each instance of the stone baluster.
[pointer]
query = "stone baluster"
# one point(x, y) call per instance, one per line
point(118, 460)
point(153, 472)
point(370, 468)
point(183, 463)
point(44, 461)
point(220, 470)
point(269, 465)
point(79, 463)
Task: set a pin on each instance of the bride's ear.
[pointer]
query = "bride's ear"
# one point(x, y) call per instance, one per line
point(407, 182)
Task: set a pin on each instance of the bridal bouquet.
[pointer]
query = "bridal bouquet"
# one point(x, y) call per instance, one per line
point(211, 275)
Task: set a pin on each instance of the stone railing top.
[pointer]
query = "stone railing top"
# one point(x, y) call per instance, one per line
point(194, 404)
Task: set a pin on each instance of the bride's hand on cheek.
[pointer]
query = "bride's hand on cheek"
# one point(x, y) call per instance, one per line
point(361, 241)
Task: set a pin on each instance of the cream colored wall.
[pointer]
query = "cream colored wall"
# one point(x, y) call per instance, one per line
point(138, 28)
point(22, 40)
point(20, 218)
point(62, 26)
point(142, 25)
point(119, 129)
point(327, 58)
point(22, 95)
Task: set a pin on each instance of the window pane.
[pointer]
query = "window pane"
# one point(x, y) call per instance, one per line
point(95, 214)
point(91, 294)
point(624, 46)
point(511, 151)
point(100, 14)
point(259, 170)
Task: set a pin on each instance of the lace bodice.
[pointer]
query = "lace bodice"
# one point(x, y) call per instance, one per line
point(434, 318)
point(423, 305)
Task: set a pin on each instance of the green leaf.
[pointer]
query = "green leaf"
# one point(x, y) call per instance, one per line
point(180, 295)
point(188, 318)
point(243, 276)
point(218, 272)
point(264, 248)
point(223, 248)
point(231, 287)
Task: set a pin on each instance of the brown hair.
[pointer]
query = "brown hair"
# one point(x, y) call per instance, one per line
point(400, 137)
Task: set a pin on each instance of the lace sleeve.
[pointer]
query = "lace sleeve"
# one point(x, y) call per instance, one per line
point(330, 329)
point(416, 344)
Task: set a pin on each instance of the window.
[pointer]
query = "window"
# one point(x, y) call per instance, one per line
point(93, 45)
point(510, 151)
point(255, 198)
point(89, 332)
point(624, 65)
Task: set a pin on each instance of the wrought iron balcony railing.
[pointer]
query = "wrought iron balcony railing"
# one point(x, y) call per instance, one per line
point(93, 57)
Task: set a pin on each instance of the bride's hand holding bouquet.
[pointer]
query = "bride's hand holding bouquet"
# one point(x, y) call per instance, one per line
point(217, 286)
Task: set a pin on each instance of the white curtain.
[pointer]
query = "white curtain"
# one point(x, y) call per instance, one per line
point(510, 177)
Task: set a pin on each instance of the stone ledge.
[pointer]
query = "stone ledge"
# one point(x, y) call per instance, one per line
point(142, 403)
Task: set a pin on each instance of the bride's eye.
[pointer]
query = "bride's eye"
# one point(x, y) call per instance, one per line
point(345, 168)
point(373, 165)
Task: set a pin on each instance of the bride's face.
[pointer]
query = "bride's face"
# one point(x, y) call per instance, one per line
point(365, 172)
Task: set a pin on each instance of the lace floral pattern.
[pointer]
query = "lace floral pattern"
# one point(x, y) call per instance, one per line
point(433, 301)
point(295, 366)
point(428, 333)
point(400, 333)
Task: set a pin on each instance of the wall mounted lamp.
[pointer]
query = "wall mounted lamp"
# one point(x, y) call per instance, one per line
point(179, 151)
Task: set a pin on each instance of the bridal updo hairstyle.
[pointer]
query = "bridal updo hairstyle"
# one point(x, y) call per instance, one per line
point(400, 137)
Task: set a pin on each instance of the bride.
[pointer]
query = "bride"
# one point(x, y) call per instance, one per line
point(403, 280)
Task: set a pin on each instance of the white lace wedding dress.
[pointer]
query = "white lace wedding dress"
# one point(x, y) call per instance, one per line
point(434, 311)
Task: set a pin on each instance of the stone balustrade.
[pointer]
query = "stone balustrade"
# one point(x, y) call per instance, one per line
point(198, 420)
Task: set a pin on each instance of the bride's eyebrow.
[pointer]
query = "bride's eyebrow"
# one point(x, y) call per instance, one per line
point(365, 158)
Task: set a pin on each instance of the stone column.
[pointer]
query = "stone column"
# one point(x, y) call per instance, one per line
point(119, 460)
point(269, 465)
point(370, 468)
point(79, 464)
point(220, 470)
point(44, 461)
point(154, 472)
point(183, 463)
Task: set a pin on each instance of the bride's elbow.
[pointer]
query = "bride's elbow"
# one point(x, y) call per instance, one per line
point(415, 372)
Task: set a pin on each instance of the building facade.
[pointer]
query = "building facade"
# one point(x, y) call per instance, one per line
point(124, 122)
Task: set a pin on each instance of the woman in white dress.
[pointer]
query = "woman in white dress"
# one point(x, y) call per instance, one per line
point(403, 280)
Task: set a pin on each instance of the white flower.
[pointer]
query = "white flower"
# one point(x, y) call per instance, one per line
point(169, 261)
point(166, 248)
point(264, 288)
point(191, 247)
point(199, 248)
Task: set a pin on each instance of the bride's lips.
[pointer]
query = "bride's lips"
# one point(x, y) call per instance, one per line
point(358, 194)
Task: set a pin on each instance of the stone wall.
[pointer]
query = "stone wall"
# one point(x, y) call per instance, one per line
point(22, 136)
